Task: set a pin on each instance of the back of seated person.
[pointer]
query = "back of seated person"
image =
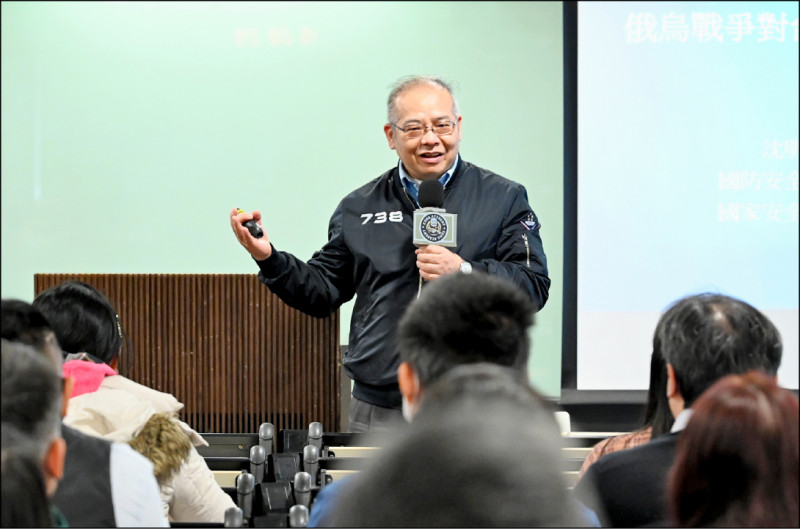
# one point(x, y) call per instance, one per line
point(25, 502)
point(483, 451)
point(737, 461)
point(104, 484)
point(109, 405)
point(703, 337)
point(31, 420)
point(459, 319)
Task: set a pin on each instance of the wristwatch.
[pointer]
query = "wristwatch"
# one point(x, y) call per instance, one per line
point(465, 268)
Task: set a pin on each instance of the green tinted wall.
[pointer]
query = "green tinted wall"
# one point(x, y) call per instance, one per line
point(129, 130)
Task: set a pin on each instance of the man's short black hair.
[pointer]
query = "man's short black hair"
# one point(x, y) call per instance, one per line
point(463, 319)
point(22, 322)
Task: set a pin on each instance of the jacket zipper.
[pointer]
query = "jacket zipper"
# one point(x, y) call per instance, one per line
point(527, 250)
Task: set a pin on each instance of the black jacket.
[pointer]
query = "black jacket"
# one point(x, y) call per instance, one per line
point(370, 255)
point(628, 488)
point(84, 492)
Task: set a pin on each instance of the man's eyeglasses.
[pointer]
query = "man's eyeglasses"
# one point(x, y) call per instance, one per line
point(440, 128)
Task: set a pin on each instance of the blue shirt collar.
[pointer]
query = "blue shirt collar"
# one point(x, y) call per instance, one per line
point(413, 187)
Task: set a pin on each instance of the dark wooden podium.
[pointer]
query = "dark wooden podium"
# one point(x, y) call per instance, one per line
point(225, 346)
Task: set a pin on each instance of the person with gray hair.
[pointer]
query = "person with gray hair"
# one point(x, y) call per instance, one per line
point(31, 416)
point(371, 252)
point(703, 338)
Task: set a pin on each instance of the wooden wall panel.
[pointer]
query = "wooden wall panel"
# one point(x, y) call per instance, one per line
point(225, 346)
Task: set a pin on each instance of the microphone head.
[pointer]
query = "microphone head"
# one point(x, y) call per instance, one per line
point(431, 194)
point(245, 483)
point(266, 431)
point(298, 516)
point(315, 430)
point(234, 517)
point(302, 482)
point(310, 454)
point(258, 454)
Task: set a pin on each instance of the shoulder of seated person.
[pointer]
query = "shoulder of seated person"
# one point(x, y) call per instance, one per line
point(633, 457)
point(161, 400)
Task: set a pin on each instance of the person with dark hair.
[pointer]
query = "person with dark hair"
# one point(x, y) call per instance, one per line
point(108, 405)
point(656, 421)
point(458, 320)
point(703, 337)
point(104, 484)
point(371, 255)
point(21, 322)
point(737, 462)
point(484, 450)
point(31, 424)
point(461, 319)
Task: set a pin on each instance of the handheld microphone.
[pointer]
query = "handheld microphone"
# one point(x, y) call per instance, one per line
point(245, 486)
point(315, 435)
point(311, 461)
point(432, 225)
point(302, 488)
point(266, 433)
point(258, 455)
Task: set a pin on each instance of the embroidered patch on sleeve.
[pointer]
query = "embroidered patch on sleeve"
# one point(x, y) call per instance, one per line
point(529, 223)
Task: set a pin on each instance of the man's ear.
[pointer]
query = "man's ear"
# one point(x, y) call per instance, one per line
point(389, 131)
point(54, 464)
point(672, 382)
point(674, 397)
point(69, 383)
point(409, 382)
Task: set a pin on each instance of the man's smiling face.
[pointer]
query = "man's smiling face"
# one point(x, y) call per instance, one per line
point(429, 156)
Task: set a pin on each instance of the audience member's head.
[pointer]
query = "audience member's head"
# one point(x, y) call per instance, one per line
point(461, 319)
point(24, 323)
point(737, 460)
point(706, 336)
point(25, 501)
point(31, 409)
point(83, 320)
point(484, 450)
